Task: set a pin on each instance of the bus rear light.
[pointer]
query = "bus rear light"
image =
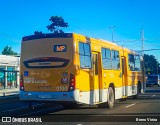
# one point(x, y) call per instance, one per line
point(72, 82)
point(71, 88)
point(21, 83)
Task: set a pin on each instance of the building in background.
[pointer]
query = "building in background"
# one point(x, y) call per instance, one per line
point(9, 71)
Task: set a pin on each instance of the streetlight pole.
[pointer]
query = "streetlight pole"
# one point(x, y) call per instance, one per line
point(112, 28)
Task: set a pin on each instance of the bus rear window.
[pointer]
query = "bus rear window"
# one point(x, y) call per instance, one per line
point(46, 62)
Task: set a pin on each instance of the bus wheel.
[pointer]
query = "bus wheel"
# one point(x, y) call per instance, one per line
point(110, 98)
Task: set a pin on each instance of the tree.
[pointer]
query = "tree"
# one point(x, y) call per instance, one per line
point(57, 22)
point(8, 51)
point(151, 64)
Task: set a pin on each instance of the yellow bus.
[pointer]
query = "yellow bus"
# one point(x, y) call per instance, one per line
point(73, 68)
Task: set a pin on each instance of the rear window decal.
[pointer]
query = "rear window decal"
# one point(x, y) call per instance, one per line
point(37, 62)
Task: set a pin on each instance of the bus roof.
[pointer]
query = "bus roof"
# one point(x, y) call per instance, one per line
point(65, 35)
point(48, 35)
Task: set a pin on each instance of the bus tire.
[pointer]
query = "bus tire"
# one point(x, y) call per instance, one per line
point(110, 98)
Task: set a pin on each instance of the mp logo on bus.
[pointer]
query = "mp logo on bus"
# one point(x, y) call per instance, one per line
point(60, 48)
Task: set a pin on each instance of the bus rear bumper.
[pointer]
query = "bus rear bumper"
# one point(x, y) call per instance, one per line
point(71, 96)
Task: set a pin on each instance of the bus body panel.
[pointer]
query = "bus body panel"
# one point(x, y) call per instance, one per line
point(50, 96)
point(45, 70)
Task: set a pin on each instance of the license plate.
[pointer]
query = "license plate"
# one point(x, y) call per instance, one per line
point(44, 96)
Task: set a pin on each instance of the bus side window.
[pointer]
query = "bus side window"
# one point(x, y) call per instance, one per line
point(115, 60)
point(134, 62)
point(137, 63)
point(106, 59)
point(85, 55)
point(131, 62)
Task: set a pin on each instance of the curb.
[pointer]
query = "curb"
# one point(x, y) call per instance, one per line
point(7, 93)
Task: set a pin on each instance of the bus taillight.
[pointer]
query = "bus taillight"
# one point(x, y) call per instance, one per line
point(21, 83)
point(72, 82)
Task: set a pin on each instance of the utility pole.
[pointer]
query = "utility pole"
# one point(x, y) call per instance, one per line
point(157, 67)
point(142, 39)
point(112, 28)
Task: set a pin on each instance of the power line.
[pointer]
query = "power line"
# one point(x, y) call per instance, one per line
point(137, 40)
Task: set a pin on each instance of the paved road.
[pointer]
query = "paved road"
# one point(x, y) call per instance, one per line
point(23, 109)
point(144, 109)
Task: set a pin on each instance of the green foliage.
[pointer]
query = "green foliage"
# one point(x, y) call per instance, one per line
point(151, 64)
point(8, 51)
point(57, 22)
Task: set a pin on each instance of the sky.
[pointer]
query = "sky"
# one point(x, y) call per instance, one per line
point(91, 18)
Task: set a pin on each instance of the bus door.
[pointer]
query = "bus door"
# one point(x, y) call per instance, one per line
point(124, 76)
point(95, 69)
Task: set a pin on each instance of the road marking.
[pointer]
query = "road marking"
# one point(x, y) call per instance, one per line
point(130, 105)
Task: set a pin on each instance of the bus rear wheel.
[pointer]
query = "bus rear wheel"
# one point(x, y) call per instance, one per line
point(110, 98)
